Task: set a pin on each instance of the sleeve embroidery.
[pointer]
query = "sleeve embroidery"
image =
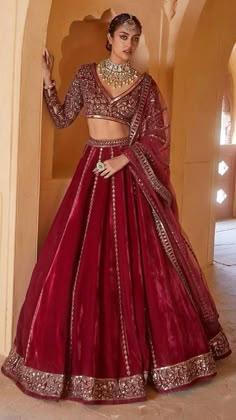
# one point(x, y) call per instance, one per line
point(63, 114)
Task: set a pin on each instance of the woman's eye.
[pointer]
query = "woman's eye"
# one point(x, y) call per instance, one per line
point(123, 37)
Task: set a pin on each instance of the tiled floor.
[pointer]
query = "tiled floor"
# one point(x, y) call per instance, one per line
point(225, 242)
point(213, 400)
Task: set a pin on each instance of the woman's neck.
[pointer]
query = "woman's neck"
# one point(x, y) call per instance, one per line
point(117, 60)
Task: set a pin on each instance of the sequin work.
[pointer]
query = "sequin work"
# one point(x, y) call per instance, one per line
point(108, 142)
point(219, 345)
point(89, 389)
point(86, 91)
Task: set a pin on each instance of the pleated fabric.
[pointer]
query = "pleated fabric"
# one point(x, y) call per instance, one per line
point(105, 310)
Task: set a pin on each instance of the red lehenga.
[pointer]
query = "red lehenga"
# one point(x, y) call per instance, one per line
point(117, 297)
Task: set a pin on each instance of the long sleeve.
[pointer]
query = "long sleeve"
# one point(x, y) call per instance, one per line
point(63, 114)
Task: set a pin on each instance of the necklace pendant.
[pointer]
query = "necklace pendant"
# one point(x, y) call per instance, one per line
point(116, 75)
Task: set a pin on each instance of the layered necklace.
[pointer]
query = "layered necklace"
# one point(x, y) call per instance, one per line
point(116, 75)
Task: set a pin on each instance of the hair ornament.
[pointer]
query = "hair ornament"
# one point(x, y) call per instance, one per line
point(130, 24)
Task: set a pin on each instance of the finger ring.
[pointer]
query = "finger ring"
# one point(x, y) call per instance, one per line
point(100, 166)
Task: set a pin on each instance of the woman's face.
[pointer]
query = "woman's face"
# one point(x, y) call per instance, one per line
point(124, 43)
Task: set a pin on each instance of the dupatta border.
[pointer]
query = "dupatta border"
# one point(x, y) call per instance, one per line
point(143, 99)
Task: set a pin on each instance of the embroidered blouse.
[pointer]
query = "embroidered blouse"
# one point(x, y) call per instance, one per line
point(86, 91)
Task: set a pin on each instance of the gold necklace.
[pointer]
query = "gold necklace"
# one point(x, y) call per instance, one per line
point(116, 75)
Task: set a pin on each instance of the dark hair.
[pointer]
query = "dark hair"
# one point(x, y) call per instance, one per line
point(118, 21)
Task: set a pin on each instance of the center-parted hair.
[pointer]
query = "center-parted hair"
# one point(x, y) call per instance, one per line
point(118, 21)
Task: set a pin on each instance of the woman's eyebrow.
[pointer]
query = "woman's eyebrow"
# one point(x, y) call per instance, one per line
point(126, 33)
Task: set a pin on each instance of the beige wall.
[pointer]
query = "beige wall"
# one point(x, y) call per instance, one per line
point(189, 53)
point(232, 71)
point(200, 67)
point(11, 23)
point(21, 41)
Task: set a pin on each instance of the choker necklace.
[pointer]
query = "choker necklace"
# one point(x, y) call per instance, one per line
point(116, 75)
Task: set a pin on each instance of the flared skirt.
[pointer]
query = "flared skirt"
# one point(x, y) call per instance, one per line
point(105, 311)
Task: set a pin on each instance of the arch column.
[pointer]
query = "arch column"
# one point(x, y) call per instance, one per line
point(23, 28)
point(205, 42)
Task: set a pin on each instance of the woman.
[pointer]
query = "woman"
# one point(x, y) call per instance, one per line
point(117, 297)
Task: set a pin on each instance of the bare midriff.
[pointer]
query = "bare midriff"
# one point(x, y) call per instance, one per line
point(102, 129)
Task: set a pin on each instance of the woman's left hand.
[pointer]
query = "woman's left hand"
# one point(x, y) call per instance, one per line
point(112, 166)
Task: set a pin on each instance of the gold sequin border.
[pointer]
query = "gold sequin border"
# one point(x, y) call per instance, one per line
point(87, 388)
point(219, 345)
point(81, 387)
point(183, 374)
point(123, 141)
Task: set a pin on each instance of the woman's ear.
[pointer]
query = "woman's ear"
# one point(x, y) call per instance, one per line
point(109, 38)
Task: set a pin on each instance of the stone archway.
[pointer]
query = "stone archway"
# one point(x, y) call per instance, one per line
point(204, 45)
point(24, 156)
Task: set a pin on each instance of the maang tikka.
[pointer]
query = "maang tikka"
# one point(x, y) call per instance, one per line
point(130, 24)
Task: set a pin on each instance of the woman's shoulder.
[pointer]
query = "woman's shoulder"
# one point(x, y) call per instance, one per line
point(149, 80)
point(144, 75)
point(87, 65)
point(85, 68)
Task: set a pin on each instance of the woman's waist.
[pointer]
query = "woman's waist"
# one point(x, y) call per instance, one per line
point(106, 129)
point(108, 142)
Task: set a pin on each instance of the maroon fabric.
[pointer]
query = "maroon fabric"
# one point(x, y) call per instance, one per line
point(117, 290)
point(149, 156)
point(86, 91)
point(79, 255)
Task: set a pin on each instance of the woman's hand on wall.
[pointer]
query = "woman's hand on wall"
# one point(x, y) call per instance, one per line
point(47, 64)
point(112, 166)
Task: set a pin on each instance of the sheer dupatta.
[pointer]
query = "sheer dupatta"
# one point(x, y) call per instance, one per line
point(149, 156)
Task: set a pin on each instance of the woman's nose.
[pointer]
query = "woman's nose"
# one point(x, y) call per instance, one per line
point(129, 42)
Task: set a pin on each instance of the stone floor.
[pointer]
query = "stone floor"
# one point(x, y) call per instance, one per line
point(225, 242)
point(213, 400)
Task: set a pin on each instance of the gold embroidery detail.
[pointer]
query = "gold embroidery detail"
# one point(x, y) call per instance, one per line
point(164, 238)
point(124, 141)
point(80, 387)
point(65, 113)
point(219, 345)
point(88, 388)
point(181, 374)
point(81, 252)
point(85, 92)
point(141, 105)
point(123, 332)
point(156, 184)
point(151, 346)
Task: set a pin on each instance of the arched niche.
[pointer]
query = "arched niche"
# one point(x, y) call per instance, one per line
point(205, 42)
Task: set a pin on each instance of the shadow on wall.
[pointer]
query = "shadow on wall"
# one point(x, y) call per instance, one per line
point(85, 43)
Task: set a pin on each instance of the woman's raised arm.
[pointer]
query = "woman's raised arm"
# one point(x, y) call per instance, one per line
point(63, 114)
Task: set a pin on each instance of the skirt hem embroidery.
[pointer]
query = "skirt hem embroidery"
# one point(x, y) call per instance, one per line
point(87, 388)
